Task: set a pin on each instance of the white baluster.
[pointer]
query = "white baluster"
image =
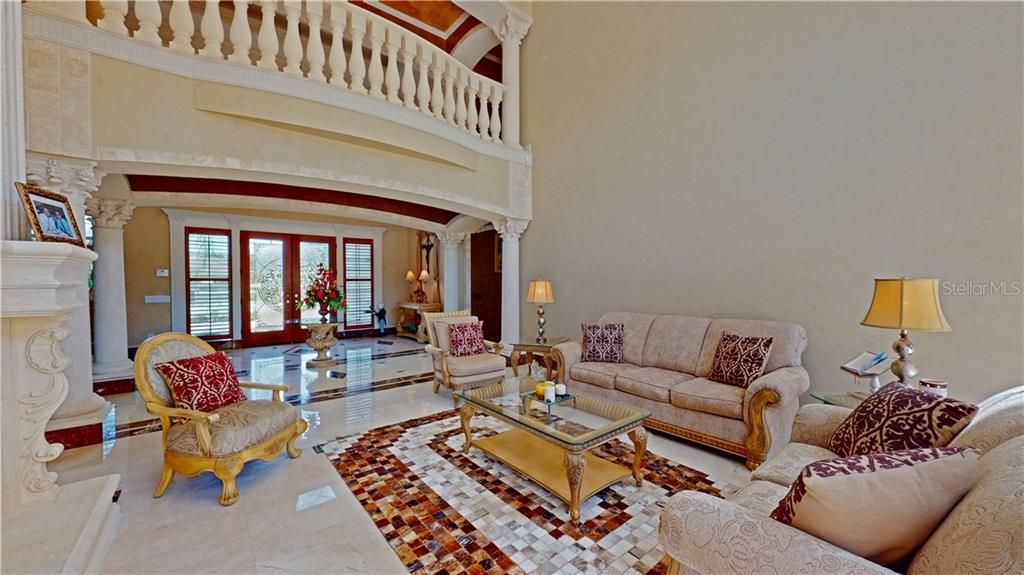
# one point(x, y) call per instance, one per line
point(423, 81)
point(471, 117)
point(292, 42)
point(408, 80)
point(484, 121)
point(375, 74)
point(436, 95)
point(182, 26)
point(339, 20)
point(391, 79)
point(149, 15)
point(497, 92)
point(114, 12)
point(460, 98)
point(268, 36)
point(212, 30)
point(449, 93)
point(315, 43)
point(240, 34)
point(356, 63)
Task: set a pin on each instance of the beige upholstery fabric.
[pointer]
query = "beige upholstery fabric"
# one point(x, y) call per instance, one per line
point(785, 466)
point(702, 394)
point(999, 418)
point(169, 351)
point(650, 382)
point(674, 342)
point(760, 497)
point(241, 425)
point(788, 341)
point(478, 379)
point(475, 364)
point(428, 317)
point(985, 532)
point(815, 422)
point(572, 353)
point(442, 337)
point(634, 336)
point(712, 536)
point(596, 373)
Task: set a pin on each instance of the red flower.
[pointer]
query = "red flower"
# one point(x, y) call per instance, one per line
point(320, 294)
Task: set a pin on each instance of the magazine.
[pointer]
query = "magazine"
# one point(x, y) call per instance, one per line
point(868, 364)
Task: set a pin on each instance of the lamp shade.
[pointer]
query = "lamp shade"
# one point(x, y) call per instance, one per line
point(410, 277)
point(424, 276)
point(906, 303)
point(540, 292)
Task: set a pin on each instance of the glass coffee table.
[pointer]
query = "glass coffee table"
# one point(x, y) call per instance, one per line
point(550, 444)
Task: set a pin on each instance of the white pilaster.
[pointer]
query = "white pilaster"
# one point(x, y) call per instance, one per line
point(510, 230)
point(450, 242)
point(12, 135)
point(76, 179)
point(109, 215)
point(511, 32)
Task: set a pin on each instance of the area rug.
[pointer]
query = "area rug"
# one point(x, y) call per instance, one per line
point(445, 512)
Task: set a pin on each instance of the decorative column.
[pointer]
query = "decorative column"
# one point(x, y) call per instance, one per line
point(510, 230)
point(12, 136)
point(511, 32)
point(109, 215)
point(450, 242)
point(76, 179)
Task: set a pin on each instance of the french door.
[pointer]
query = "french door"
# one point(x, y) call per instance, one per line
point(276, 270)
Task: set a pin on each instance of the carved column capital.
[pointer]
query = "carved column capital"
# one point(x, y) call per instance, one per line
point(513, 29)
point(74, 178)
point(511, 229)
point(450, 239)
point(109, 212)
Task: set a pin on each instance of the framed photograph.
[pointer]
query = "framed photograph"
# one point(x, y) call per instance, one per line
point(50, 215)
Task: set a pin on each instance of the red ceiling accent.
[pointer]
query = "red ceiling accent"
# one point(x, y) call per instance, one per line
point(144, 183)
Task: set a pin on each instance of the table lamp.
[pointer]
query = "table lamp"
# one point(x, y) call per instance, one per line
point(540, 293)
point(905, 304)
point(420, 295)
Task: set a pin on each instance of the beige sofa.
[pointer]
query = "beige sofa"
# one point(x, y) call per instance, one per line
point(984, 533)
point(667, 360)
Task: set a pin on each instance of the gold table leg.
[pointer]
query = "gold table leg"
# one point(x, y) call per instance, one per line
point(514, 360)
point(575, 464)
point(548, 365)
point(639, 438)
point(465, 414)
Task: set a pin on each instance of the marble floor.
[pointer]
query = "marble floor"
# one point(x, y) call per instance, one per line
point(297, 515)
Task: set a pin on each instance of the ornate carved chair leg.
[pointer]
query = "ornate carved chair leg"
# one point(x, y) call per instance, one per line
point(673, 565)
point(575, 464)
point(437, 384)
point(465, 415)
point(300, 427)
point(165, 480)
point(227, 470)
point(639, 438)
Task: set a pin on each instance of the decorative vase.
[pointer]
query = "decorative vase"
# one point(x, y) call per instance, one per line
point(324, 312)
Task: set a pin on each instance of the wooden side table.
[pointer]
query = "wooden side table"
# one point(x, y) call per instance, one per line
point(412, 312)
point(531, 350)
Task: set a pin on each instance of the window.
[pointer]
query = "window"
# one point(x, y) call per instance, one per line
point(208, 278)
point(358, 279)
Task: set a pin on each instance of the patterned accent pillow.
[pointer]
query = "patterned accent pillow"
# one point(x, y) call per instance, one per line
point(202, 383)
point(881, 506)
point(740, 360)
point(467, 339)
point(602, 342)
point(900, 417)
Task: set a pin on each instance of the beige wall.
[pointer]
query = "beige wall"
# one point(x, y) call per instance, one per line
point(147, 248)
point(769, 160)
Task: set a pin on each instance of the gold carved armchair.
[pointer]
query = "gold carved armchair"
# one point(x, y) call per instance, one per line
point(458, 372)
point(223, 440)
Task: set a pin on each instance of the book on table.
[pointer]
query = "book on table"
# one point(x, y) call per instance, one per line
point(868, 364)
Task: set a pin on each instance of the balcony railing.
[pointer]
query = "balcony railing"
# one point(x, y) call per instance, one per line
point(356, 51)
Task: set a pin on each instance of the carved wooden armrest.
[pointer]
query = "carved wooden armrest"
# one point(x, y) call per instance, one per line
point(493, 346)
point(277, 389)
point(440, 359)
point(201, 419)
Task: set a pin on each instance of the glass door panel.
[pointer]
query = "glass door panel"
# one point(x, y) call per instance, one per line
point(312, 253)
point(266, 285)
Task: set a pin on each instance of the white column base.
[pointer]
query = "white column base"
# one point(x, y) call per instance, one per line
point(71, 534)
point(111, 371)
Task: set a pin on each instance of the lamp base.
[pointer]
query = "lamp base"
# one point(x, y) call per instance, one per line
point(540, 325)
point(904, 369)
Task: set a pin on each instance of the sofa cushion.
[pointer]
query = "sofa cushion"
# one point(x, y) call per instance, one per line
point(984, 533)
point(674, 341)
point(739, 360)
point(880, 506)
point(602, 342)
point(785, 466)
point(241, 425)
point(202, 383)
point(595, 373)
point(789, 341)
point(900, 417)
point(650, 382)
point(702, 394)
point(999, 419)
point(761, 497)
point(635, 327)
point(474, 364)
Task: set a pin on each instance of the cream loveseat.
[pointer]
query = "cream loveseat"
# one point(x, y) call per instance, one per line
point(667, 360)
point(984, 533)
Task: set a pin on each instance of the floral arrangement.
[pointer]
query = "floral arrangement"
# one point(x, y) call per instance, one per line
point(323, 292)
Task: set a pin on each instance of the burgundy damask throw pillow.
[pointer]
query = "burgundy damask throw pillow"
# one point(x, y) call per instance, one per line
point(202, 383)
point(880, 506)
point(467, 339)
point(900, 417)
point(740, 360)
point(602, 342)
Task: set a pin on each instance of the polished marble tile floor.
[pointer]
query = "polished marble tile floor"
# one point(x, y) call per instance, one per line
point(297, 515)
